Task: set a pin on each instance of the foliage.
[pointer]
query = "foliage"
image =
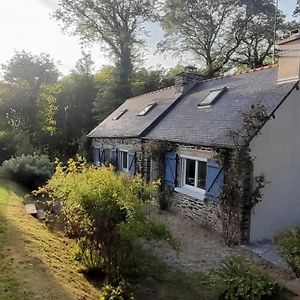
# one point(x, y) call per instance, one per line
point(29, 170)
point(238, 280)
point(256, 45)
point(211, 30)
point(121, 292)
point(47, 107)
point(74, 116)
point(237, 194)
point(27, 104)
point(115, 24)
point(105, 212)
point(33, 69)
point(288, 243)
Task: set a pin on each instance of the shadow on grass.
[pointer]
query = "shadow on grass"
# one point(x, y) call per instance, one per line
point(26, 256)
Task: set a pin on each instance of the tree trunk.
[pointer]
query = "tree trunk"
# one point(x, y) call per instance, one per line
point(125, 70)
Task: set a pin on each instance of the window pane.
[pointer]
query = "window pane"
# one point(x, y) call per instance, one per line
point(201, 180)
point(190, 172)
point(124, 160)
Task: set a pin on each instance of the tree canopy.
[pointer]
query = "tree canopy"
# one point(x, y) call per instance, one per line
point(116, 24)
point(210, 29)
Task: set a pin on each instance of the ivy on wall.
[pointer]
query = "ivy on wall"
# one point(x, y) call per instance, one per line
point(239, 195)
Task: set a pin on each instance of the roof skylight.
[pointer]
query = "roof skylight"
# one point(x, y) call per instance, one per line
point(212, 97)
point(119, 115)
point(146, 109)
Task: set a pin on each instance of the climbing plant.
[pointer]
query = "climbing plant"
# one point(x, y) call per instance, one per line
point(239, 195)
point(157, 150)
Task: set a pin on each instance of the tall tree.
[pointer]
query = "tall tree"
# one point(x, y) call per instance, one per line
point(117, 24)
point(257, 43)
point(35, 70)
point(25, 75)
point(209, 29)
point(74, 117)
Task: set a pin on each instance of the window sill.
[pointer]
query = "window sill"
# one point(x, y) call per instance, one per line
point(197, 195)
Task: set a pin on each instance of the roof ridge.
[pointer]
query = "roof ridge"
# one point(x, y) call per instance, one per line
point(241, 73)
point(153, 92)
point(209, 79)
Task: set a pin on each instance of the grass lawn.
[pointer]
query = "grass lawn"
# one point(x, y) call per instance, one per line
point(36, 263)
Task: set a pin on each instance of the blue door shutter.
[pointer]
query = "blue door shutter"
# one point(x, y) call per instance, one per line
point(170, 169)
point(114, 157)
point(214, 180)
point(131, 162)
point(96, 155)
point(101, 156)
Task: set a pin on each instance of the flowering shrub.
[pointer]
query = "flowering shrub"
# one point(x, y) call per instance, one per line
point(105, 212)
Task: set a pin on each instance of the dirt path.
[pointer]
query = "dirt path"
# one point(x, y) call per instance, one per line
point(202, 250)
point(34, 262)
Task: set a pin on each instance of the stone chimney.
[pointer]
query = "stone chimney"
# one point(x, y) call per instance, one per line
point(289, 58)
point(185, 80)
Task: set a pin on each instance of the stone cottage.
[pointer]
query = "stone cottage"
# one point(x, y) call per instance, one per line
point(194, 118)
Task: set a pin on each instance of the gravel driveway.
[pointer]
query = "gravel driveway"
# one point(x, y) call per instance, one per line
point(202, 250)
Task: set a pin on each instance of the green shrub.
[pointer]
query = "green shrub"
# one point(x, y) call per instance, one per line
point(238, 280)
point(288, 243)
point(29, 170)
point(121, 292)
point(106, 212)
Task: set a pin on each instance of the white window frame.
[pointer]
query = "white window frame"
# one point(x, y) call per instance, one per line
point(120, 158)
point(183, 184)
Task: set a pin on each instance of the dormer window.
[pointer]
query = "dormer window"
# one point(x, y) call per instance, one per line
point(146, 109)
point(212, 97)
point(119, 115)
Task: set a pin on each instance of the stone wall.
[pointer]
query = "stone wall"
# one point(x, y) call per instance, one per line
point(206, 214)
point(141, 163)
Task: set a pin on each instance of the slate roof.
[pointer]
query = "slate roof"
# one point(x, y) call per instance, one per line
point(131, 125)
point(209, 126)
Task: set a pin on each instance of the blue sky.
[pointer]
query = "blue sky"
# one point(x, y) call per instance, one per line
point(26, 25)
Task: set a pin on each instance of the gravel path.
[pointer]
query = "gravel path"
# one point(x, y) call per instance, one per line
point(202, 250)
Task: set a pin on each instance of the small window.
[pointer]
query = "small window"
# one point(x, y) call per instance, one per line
point(193, 173)
point(212, 97)
point(123, 160)
point(119, 115)
point(146, 110)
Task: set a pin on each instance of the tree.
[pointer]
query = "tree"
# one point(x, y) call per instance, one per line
point(116, 24)
point(21, 104)
point(257, 42)
point(209, 29)
point(74, 117)
point(107, 99)
point(35, 70)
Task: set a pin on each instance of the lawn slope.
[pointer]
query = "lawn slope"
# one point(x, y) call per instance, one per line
point(35, 263)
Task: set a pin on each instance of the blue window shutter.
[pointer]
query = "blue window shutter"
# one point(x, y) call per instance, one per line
point(101, 156)
point(214, 180)
point(119, 166)
point(96, 155)
point(114, 157)
point(131, 162)
point(170, 169)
